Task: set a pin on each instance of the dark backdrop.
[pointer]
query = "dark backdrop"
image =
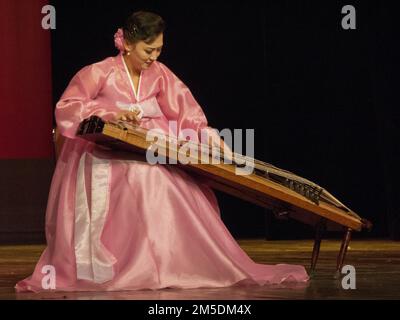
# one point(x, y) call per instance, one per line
point(321, 99)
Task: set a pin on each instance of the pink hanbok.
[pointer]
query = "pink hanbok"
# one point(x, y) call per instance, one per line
point(114, 223)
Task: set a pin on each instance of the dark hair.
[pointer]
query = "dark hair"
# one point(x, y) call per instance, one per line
point(143, 26)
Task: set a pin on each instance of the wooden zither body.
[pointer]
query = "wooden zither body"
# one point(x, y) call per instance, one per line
point(287, 194)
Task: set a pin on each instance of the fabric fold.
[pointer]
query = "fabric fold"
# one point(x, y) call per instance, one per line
point(93, 261)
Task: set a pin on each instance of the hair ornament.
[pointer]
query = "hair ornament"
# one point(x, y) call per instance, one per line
point(119, 40)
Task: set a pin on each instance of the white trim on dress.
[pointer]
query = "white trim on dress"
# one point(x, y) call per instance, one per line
point(131, 82)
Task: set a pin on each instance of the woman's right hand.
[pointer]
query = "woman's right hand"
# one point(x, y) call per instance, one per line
point(132, 116)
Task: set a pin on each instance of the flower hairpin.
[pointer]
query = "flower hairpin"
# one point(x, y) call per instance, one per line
point(119, 40)
point(119, 37)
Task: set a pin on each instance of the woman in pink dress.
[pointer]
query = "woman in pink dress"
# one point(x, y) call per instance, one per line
point(114, 223)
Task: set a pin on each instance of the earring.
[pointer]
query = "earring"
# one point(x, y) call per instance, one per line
point(128, 53)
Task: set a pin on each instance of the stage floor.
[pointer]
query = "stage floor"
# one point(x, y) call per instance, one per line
point(376, 262)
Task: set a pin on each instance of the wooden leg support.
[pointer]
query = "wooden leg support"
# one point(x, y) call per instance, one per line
point(320, 228)
point(342, 253)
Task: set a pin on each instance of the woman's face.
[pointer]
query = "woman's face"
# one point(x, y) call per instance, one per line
point(143, 54)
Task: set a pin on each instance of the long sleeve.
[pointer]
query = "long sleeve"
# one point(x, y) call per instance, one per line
point(79, 100)
point(178, 103)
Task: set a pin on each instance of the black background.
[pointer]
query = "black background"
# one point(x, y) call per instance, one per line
point(322, 100)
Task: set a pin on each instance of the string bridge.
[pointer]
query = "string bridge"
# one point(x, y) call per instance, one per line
point(310, 192)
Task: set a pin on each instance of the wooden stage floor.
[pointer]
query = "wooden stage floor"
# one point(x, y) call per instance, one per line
point(377, 265)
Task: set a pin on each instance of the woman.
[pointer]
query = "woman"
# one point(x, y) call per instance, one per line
point(115, 224)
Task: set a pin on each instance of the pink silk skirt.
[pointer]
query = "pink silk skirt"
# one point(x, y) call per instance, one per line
point(123, 224)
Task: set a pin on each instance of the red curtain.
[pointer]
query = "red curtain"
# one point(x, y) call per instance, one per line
point(25, 81)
